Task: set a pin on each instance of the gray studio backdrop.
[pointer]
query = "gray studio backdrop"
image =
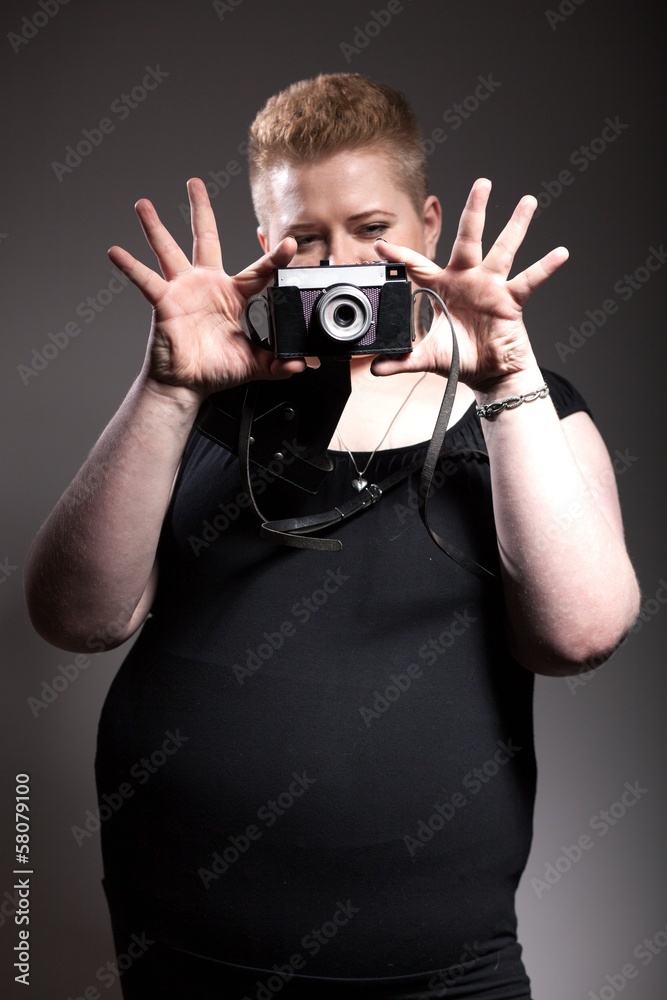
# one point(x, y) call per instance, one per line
point(559, 101)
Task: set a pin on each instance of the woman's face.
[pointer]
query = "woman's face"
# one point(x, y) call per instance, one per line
point(337, 207)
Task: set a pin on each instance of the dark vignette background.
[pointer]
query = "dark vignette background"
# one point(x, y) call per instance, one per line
point(559, 81)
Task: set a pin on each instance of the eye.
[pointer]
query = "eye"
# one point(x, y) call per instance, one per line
point(305, 242)
point(375, 229)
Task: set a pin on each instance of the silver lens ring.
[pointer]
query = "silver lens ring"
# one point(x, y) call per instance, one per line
point(344, 312)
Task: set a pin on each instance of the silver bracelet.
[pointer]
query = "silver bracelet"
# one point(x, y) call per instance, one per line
point(490, 410)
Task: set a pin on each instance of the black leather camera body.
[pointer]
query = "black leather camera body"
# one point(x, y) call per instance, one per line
point(340, 310)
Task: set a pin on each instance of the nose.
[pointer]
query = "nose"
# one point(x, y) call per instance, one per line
point(344, 249)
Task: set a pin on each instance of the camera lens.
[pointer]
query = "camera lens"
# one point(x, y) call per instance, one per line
point(344, 312)
point(344, 315)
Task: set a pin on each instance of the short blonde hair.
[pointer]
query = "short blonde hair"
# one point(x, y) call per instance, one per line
point(313, 119)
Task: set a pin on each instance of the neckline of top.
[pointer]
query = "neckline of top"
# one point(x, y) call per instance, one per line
point(417, 446)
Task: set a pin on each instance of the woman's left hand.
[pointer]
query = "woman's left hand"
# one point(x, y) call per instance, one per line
point(485, 306)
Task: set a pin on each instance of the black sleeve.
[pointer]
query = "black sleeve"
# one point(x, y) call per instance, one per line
point(565, 397)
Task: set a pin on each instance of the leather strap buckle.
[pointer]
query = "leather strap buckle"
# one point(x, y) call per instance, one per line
point(374, 493)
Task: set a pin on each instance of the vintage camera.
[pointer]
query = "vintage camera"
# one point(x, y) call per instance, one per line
point(340, 310)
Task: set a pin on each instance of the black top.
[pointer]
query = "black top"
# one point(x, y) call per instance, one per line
point(325, 733)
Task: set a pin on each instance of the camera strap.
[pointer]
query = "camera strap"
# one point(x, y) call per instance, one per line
point(286, 532)
point(230, 419)
point(295, 531)
point(433, 454)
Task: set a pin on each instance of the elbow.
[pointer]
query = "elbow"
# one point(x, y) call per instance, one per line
point(70, 636)
point(582, 646)
point(45, 604)
point(83, 616)
point(73, 639)
point(57, 634)
point(55, 621)
point(567, 660)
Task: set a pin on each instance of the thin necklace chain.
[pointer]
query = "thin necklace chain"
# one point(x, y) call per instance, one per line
point(359, 483)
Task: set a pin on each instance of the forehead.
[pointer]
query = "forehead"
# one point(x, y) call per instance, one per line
point(341, 185)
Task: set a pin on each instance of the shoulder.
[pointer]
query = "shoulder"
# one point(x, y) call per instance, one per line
point(587, 446)
point(466, 433)
point(566, 397)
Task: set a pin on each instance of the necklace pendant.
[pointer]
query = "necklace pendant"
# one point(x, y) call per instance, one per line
point(360, 484)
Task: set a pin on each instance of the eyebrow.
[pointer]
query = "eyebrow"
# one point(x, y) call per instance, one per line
point(298, 227)
point(372, 211)
point(304, 227)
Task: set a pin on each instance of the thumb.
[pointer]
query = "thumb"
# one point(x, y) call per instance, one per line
point(420, 267)
point(418, 360)
point(255, 278)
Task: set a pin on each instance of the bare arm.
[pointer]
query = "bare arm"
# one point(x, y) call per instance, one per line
point(570, 589)
point(90, 574)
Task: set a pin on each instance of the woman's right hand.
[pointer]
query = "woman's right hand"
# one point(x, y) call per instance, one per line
point(197, 341)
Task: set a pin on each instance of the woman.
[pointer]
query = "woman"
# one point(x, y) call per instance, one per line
point(348, 807)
